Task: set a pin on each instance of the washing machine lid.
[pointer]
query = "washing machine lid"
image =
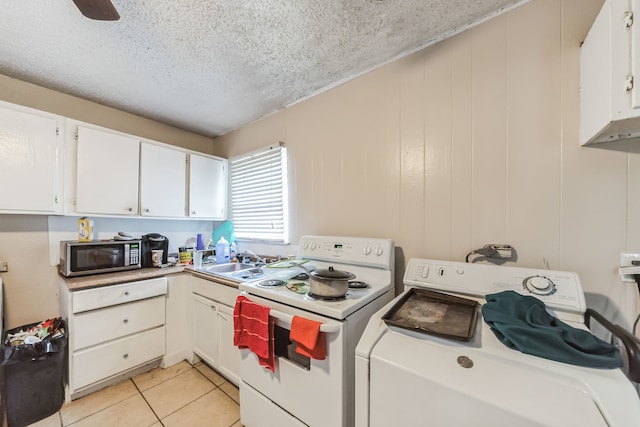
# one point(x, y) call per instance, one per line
point(490, 384)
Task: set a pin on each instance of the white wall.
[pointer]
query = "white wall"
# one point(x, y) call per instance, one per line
point(471, 141)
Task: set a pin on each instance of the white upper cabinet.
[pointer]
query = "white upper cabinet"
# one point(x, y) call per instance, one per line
point(609, 86)
point(162, 181)
point(107, 172)
point(30, 161)
point(50, 164)
point(207, 187)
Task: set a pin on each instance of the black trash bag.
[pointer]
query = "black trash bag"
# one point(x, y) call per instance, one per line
point(34, 376)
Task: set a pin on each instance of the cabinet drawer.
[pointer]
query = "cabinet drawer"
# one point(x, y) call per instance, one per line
point(98, 326)
point(91, 299)
point(102, 361)
point(215, 291)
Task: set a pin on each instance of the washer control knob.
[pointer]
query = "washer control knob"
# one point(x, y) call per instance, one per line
point(367, 250)
point(425, 271)
point(379, 251)
point(313, 246)
point(539, 285)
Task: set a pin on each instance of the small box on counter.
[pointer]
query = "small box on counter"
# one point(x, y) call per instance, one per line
point(85, 229)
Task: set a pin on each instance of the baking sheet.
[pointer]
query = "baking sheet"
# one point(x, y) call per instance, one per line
point(435, 313)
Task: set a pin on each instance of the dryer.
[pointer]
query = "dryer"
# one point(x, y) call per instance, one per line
point(405, 377)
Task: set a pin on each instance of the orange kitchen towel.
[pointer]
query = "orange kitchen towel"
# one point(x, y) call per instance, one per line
point(310, 341)
point(253, 329)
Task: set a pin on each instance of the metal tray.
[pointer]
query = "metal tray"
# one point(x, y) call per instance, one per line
point(434, 313)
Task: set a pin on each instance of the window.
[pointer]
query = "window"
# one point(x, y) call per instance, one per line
point(258, 192)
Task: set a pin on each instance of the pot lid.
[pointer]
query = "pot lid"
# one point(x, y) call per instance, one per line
point(332, 274)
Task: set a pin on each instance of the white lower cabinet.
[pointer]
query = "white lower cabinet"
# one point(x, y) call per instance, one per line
point(228, 354)
point(213, 327)
point(205, 329)
point(113, 330)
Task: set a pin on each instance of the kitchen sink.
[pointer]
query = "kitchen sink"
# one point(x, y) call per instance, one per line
point(230, 267)
point(234, 271)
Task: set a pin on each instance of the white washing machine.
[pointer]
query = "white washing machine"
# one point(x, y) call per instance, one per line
point(405, 377)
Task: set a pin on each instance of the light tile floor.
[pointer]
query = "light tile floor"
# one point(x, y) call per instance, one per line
point(181, 395)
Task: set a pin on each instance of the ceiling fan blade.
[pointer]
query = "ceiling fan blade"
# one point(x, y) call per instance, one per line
point(101, 10)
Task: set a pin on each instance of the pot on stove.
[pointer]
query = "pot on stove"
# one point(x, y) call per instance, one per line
point(329, 283)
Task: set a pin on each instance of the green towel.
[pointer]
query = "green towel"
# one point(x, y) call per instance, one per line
point(522, 323)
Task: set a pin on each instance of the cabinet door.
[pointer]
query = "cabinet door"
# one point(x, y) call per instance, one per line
point(633, 35)
point(228, 354)
point(30, 162)
point(107, 173)
point(207, 187)
point(162, 181)
point(205, 329)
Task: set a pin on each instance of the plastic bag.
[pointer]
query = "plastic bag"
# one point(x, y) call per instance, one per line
point(52, 339)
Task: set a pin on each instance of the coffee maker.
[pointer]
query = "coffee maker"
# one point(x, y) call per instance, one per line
point(152, 242)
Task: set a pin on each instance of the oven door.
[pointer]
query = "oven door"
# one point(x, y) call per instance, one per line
point(313, 391)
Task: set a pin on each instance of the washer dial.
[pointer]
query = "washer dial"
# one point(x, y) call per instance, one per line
point(539, 285)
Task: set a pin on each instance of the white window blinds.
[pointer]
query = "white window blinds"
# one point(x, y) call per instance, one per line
point(258, 192)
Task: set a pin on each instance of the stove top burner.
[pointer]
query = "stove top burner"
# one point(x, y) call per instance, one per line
point(356, 284)
point(272, 283)
point(321, 298)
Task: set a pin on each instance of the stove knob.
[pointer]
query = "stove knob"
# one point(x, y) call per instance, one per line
point(367, 250)
point(379, 251)
point(313, 246)
point(305, 245)
point(539, 285)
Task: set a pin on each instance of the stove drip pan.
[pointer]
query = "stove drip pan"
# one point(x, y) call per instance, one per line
point(272, 283)
point(321, 298)
point(356, 284)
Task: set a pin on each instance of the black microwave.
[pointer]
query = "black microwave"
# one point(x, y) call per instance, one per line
point(98, 256)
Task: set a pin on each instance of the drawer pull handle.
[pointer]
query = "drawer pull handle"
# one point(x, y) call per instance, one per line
point(126, 320)
point(125, 356)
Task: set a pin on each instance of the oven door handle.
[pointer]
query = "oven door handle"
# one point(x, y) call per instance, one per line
point(287, 318)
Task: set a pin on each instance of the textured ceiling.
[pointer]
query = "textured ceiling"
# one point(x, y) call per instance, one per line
point(213, 66)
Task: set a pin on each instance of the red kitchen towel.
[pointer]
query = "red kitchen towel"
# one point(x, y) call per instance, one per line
point(310, 341)
point(253, 329)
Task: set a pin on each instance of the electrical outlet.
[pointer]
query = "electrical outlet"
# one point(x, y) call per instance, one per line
point(626, 261)
point(3, 267)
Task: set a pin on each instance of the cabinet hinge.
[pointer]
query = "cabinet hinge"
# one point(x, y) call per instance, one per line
point(628, 19)
point(628, 83)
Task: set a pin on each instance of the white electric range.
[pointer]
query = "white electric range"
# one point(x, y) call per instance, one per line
point(304, 391)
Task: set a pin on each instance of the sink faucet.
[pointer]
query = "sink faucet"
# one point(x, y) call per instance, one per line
point(253, 254)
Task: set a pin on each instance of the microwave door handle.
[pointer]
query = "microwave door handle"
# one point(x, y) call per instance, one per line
point(287, 319)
